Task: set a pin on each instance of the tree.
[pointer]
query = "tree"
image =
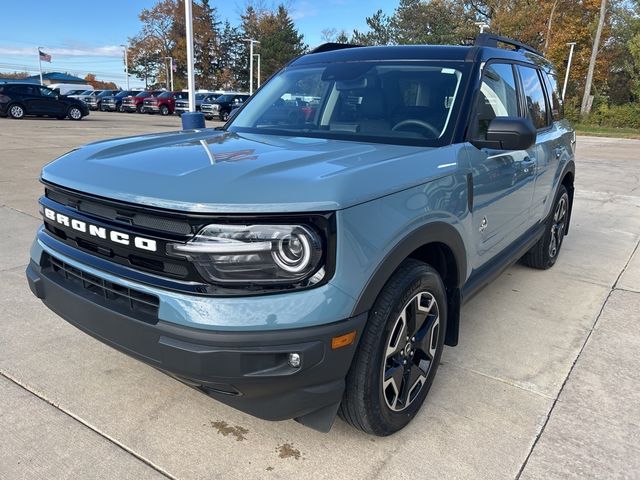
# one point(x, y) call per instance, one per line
point(380, 31)
point(90, 78)
point(279, 39)
point(586, 103)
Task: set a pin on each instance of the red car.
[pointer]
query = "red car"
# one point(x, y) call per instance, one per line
point(133, 103)
point(165, 103)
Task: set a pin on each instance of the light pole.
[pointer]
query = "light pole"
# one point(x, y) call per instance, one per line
point(126, 64)
point(257, 55)
point(482, 26)
point(566, 75)
point(191, 120)
point(170, 70)
point(251, 42)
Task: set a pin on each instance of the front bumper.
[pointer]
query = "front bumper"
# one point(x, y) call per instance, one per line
point(110, 107)
point(150, 108)
point(247, 370)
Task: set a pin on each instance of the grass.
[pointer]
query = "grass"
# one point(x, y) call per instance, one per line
point(597, 131)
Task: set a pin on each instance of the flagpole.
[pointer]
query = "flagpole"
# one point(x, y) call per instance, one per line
point(40, 65)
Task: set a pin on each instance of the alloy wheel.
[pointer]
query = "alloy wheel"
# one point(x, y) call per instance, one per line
point(558, 225)
point(75, 114)
point(410, 351)
point(16, 111)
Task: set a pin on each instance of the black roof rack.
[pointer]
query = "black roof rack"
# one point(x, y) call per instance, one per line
point(329, 47)
point(490, 40)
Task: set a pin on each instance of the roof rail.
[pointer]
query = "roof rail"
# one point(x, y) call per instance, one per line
point(329, 47)
point(490, 40)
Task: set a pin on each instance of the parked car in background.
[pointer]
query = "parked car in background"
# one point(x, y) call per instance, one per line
point(67, 88)
point(165, 103)
point(113, 103)
point(18, 100)
point(182, 104)
point(86, 94)
point(74, 92)
point(94, 102)
point(133, 103)
point(221, 107)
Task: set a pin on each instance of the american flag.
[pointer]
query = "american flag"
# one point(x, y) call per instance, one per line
point(44, 57)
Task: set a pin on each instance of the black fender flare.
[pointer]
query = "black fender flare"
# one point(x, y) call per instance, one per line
point(432, 232)
point(570, 167)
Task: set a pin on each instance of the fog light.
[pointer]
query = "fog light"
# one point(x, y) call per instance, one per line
point(295, 360)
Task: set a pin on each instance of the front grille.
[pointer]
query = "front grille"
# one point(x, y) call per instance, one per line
point(120, 215)
point(128, 301)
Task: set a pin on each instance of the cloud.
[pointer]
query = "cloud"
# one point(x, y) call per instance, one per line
point(105, 51)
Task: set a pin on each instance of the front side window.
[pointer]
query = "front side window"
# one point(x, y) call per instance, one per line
point(497, 97)
point(534, 96)
point(46, 92)
point(405, 103)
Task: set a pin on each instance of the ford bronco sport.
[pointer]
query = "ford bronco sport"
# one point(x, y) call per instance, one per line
point(303, 266)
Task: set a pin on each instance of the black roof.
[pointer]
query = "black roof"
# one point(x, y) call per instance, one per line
point(483, 51)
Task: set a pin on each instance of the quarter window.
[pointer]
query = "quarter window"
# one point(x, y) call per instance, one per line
point(557, 112)
point(536, 108)
point(497, 98)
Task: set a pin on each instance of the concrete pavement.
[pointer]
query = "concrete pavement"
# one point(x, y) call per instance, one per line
point(544, 383)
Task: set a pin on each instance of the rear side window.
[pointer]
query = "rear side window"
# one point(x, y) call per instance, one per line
point(536, 108)
point(497, 97)
point(557, 110)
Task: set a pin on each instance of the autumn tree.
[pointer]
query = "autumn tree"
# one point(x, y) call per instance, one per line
point(91, 79)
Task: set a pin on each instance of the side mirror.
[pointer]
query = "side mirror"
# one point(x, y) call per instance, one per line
point(508, 133)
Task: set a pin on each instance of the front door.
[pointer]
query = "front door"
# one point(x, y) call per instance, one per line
point(503, 181)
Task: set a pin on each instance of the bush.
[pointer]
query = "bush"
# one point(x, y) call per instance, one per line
point(616, 116)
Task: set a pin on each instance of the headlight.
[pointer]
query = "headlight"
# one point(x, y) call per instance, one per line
point(255, 254)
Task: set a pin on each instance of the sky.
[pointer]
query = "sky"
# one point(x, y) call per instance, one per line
point(82, 37)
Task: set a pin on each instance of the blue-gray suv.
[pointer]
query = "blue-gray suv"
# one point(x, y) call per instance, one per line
point(313, 262)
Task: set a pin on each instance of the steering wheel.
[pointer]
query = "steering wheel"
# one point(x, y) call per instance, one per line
point(419, 123)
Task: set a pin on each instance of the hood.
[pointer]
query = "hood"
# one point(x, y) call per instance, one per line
point(214, 171)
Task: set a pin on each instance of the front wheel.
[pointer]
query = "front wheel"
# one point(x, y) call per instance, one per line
point(224, 116)
point(545, 252)
point(164, 110)
point(399, 352)
point(75, 113)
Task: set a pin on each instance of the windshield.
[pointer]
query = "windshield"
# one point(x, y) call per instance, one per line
point(406, 102)
point(106, 93)
point(165, 95)
point(143, 94)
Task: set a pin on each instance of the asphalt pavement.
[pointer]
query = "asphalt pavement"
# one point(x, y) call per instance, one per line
point(543, 385)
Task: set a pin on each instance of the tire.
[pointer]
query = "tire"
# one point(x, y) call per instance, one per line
point(382, 407)
point(545, 252)
point(224, 116)
point(164, 110)
point(120, 108)
point(209, 117)
point(74, 113)
point(16, 111)
point(139, 108)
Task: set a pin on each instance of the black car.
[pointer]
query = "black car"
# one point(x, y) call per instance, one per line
point(221, 107)
point(113, 103)
point(20, 99)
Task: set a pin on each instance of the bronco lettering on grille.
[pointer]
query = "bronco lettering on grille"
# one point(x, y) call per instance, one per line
point(100, 232)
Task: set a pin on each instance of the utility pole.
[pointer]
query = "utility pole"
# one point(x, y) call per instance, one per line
point(566, 75)
point(257, 55)
point(170, 70)
point(585, 108)
point(126, 64)
point(40, 65)
point(251, 42)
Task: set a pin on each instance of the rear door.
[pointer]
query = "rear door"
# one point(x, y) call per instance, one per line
point(503, 181)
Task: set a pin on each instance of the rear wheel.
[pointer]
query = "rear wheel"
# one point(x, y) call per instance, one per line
point(544, 254)
point(74, 113)
point(16, 111)
point(399, 352)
